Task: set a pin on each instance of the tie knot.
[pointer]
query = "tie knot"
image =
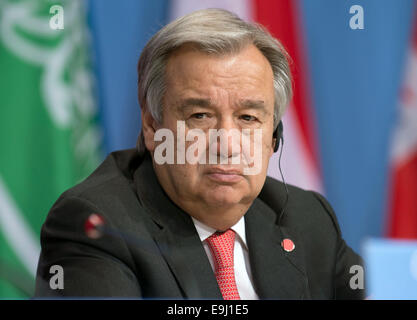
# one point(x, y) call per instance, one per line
point(222, 245)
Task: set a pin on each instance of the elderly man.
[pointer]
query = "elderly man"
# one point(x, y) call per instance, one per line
point(200, 224)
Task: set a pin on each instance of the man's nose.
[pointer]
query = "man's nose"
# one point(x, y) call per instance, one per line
point(226, 142)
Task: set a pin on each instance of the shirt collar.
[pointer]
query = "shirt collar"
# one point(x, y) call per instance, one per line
point(204, 231)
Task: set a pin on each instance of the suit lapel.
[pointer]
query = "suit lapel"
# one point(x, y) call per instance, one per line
point(176, 237)
point(277, 274)
point(188, 262)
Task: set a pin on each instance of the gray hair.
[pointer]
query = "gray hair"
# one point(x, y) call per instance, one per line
point(213, 31)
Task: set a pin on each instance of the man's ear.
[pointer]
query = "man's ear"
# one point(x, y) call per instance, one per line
point(149, 129)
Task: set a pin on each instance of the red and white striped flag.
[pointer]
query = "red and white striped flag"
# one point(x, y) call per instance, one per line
point(403, 199)
point(300, 163)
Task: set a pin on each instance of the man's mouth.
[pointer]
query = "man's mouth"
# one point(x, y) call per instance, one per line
point(224, 175)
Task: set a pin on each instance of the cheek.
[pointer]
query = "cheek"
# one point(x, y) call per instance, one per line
point(254, 185)
point(185, 176)
point(267, 147)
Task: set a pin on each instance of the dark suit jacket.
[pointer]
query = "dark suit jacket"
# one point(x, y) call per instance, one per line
point(151, 249)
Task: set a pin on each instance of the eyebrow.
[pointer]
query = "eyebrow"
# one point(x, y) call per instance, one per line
point(253, 104)
point(191, 102)
point(206, 103)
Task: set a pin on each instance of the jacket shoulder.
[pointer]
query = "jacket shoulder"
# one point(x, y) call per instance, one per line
point(302, 209)
point(117, 168)
point(108, 191)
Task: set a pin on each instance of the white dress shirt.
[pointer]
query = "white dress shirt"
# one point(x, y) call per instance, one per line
point(243, 275)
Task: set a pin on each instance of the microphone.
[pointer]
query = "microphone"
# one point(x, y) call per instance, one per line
point(95, 227)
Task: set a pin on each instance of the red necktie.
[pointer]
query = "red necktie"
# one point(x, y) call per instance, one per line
point(221, 245)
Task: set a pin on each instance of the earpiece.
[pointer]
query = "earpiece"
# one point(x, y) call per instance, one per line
point(278, 135)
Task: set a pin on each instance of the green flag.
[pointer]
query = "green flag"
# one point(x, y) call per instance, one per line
point(49, 139)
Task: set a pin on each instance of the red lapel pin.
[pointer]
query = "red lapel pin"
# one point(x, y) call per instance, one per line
point(287, 245)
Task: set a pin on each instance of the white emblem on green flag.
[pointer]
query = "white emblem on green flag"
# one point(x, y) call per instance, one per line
point(49, 139)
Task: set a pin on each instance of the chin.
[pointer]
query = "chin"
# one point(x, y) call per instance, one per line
point(223, 196)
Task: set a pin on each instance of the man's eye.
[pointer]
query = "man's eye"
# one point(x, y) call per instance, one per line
point(247, 117)
point(200, 115)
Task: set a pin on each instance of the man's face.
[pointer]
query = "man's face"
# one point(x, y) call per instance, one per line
point(233, 91)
